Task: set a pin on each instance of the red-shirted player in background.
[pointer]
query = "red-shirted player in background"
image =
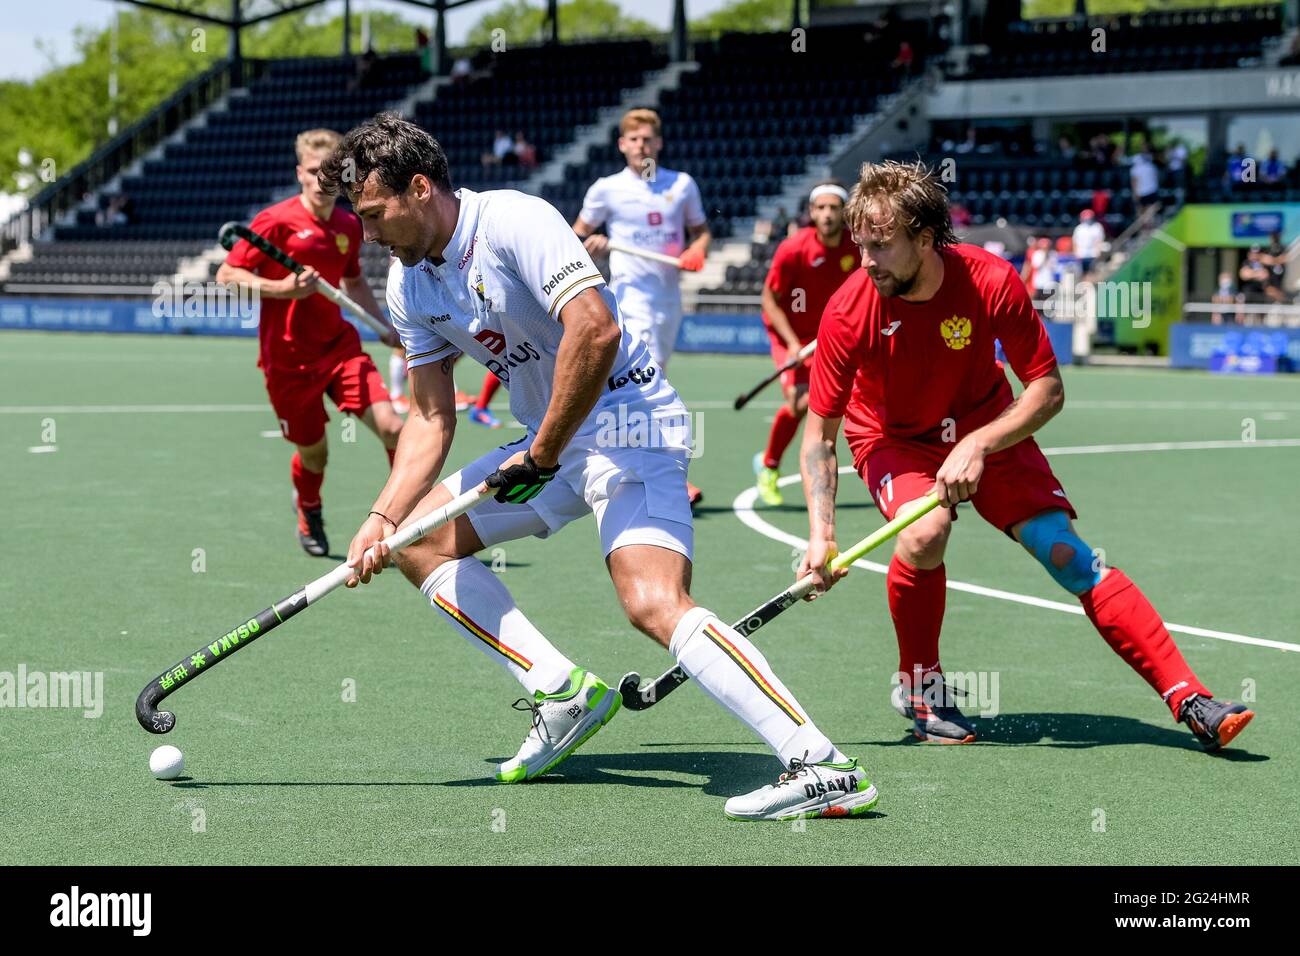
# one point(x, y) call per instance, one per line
point(307, 349)
point(905, 356)
point(806, 270)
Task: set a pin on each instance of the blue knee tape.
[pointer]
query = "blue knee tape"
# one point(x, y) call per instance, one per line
point(1042, 532)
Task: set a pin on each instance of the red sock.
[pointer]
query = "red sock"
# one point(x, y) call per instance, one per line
point(392, 453)
point(308, 485)
point(490, 385)
point(1130, 625)
point(916, 599)
point(784, 427)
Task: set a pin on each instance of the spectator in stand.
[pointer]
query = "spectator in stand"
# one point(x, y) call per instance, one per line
point(1144, 177)
point(424, 50)
point(903, 60)
point(1177, 156)
point(1254, 277)
point(1225, 294)
point(961, 217)
point(461, 70)
point(119, 211)
point(1102, 150)
point(1275, 258)
point(1046, 268)
point(1240, 168)
point(503, 150)
point(1066, 149)
point(969, 144)
point(525, 152)
point(1272, 170)
point(365, 70)
point(1087, 239)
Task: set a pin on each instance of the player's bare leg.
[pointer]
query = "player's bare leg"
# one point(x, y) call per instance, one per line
point(653, 585)
point(382, 419)
point(785, 426)
point(397, 381)
point(1126, 620)
point(308, 471)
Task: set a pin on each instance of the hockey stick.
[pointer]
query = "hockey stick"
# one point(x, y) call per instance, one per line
point(637, 698)
point(232, 232)
point(205, 658)
point(797, 359)
point(645, 254)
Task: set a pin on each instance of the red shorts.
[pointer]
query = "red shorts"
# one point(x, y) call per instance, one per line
point(1017, 482)
point(354, 384)
point(800, 374)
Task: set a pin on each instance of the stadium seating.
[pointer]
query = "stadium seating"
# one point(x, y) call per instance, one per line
point(751, 114)
point(1213, 39)
point(244, 154)
point(543, 92)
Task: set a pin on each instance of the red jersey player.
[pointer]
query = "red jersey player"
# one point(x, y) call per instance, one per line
point(905, 358)
point(807, 269)
point(307, 349)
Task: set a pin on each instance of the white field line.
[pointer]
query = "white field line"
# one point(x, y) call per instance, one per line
point(743, 506)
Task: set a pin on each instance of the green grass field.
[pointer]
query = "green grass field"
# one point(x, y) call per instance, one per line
point(160, 451)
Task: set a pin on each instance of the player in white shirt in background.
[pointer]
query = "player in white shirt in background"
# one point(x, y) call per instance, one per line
point(653, 208)
point(1087, 241)
point(499, 276)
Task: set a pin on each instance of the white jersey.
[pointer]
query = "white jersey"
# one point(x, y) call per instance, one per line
point(654, 215)
point(509, 268)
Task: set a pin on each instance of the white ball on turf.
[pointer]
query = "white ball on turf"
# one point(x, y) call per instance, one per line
point(166, 763)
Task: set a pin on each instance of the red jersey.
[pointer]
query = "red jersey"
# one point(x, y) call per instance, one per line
point(802, 262)
point(897, 369)
point(299, 333)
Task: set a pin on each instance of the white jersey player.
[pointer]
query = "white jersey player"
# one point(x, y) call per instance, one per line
point(649, 207)
point(501, 277)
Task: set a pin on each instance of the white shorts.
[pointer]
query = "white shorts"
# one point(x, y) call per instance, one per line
point(638, 496)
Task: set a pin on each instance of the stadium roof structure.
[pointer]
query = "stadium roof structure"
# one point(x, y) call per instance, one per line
point(247, 13)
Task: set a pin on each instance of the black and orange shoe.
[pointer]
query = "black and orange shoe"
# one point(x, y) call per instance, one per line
point(934, 714)
point(1214, 722)
point(311, 532)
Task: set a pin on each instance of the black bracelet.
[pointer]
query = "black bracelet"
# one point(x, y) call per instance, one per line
point(385, 517)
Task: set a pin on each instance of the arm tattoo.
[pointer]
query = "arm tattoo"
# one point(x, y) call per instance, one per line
point(822, 473)
point(447, 364)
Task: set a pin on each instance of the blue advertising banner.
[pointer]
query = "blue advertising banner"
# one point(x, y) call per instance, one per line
point(1223, 347)
point(1257, 225)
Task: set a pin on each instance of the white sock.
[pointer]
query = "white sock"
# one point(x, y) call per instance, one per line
point(397, 375)
point(734, 672)
point(484, 612)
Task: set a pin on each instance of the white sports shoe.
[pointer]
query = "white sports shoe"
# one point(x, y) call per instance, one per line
point(808, 790)
point(561, 724)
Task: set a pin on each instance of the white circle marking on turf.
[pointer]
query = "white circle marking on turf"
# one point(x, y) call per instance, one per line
point(743, 507)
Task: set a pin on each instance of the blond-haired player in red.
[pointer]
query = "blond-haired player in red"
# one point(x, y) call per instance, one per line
point(307, 349)
point(905, 360)
point(806, 270)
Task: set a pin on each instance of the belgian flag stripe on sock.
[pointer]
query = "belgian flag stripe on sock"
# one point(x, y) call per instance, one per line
point(753, 673)
point(470, 625)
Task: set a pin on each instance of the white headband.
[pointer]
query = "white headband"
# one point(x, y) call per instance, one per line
point(828, 189)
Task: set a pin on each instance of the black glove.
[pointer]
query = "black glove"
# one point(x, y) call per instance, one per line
point(521, 482)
